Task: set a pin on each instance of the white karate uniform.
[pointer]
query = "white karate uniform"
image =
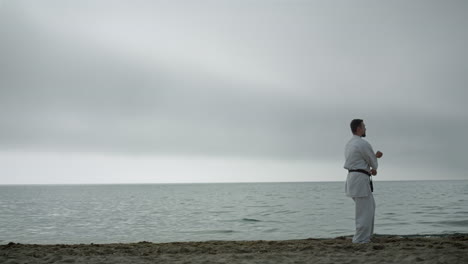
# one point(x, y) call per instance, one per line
point(360, 155)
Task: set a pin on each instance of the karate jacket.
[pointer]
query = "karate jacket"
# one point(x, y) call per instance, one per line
point(359, 155)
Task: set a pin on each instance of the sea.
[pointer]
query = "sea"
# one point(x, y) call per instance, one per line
point(123, 213)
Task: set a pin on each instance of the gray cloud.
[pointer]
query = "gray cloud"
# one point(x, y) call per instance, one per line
point(268, 79)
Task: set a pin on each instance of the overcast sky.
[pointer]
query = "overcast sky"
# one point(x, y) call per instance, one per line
point(230, 91)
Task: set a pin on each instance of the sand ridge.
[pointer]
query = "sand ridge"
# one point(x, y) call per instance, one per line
point(383, 249)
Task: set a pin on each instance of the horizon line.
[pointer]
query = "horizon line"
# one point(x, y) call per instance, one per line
point(175, 183)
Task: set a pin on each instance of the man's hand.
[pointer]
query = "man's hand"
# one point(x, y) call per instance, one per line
point(373, 172)
point(378, 154)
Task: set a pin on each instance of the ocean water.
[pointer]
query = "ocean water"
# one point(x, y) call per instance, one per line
point(49, 214)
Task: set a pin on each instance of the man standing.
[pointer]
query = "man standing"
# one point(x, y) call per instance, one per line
point(361, 163)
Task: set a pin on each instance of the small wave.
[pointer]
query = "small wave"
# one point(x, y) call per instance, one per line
point(431, 207)
point(209, 231)
point(220, 212)
point(455, 223)
point(250, 220)
point(445, 234)
point(221, 231)
point(286, 212)
point(396, 223)
point(436, 213)
point(274, 221)
point(394, 213)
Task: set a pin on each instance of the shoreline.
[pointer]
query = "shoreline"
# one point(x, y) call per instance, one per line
point(375, 236)
point(449, 248)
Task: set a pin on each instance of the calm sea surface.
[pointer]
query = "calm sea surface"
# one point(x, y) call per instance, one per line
point(48, 214)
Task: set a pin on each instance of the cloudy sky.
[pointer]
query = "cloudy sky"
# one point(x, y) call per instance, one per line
point(231, 90)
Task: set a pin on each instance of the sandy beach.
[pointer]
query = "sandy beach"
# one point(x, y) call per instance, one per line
point(383, 249)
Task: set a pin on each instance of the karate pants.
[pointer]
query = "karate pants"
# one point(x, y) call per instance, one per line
point(365, 213)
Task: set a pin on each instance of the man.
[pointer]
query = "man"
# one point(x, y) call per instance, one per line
point(361, 163)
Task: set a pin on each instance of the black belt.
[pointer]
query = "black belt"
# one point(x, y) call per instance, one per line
point(361, 171)
point(368, 174)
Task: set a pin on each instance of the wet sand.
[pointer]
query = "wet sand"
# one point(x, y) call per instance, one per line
point(383, 249)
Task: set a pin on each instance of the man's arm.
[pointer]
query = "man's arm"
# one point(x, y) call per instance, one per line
point(370, 156)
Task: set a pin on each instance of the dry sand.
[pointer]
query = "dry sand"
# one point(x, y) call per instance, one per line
point(383, 249)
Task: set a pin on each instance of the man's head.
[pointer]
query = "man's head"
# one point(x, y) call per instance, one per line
point(358, 127)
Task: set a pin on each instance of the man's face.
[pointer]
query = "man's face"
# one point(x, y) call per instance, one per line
point(362, 130)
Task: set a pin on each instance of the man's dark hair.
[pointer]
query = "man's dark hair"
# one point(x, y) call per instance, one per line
point(355, 124)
